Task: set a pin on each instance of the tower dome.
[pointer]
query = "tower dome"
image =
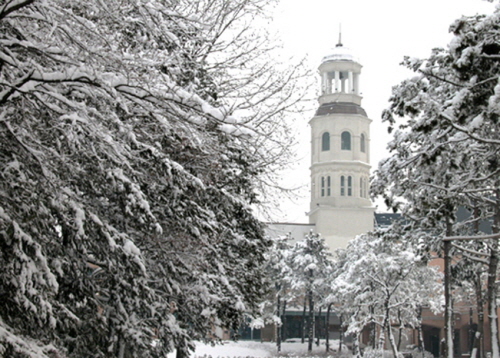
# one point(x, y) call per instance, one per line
point(340, 53)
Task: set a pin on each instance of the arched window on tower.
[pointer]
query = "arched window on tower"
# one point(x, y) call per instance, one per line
point(349, 186)
point(342, 185)
point(328, 186)
point(325, 141)
point(345, 141)
point(362, 143)
point(322, 186)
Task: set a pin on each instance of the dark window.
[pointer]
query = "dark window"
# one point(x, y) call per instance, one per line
point(342, 185)
point(328, 186)
point(322, 186)
point(325, 141)
point(349, 186)
point(345, 141)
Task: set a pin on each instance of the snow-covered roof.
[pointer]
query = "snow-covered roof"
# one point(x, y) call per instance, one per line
point(340, 53)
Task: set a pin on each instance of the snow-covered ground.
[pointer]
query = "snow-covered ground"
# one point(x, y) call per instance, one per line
point(230, 349)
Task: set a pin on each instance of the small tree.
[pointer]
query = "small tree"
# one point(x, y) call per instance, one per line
point(311, 266)
point(382, 279)
point(277, 271)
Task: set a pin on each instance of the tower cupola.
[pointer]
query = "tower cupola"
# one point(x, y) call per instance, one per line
point(340, 72)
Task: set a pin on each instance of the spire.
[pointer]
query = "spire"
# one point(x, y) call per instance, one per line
point(340, 36)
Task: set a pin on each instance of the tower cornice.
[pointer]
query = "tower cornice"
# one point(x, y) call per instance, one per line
point(336, 116)
point(343, 163)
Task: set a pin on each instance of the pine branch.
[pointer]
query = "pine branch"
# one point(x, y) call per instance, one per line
point(12, 6)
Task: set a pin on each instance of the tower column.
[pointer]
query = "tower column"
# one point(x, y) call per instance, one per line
point(356, 83)
point(351, 82)
point(324, 84)
point(337, 78)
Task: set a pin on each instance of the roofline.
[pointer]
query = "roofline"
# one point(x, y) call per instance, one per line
point(287, 223)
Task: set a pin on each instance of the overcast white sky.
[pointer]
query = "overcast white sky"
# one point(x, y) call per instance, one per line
point(380, 33)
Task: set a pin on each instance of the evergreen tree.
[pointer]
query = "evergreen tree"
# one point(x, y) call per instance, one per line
point(128, 164)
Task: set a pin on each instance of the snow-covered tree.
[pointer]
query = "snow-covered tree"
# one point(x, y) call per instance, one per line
point(277, 271)
point(382, 279)
point(133, 138)
point(446, 147)
point(311, 267)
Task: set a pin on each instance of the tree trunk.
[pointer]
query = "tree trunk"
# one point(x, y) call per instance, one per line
point(491, 296)
point(392, 341)
point(381, 338)
point(387, 325)
point(492, 275)
point(311, 322)
point(473, 342)
point(421, 344)
point(181, 352)
point(341, 334)
point(304, 319)
point(373, 329)
point(400, 330)
point(475, 345)
point(318, 334)
point(471, 329)
point(327, 328)
point(448, 311)
point(478, 339)
point(121, 349)
point(356, 353)
point(283, 322)
point(278, 328)
point(479, 336)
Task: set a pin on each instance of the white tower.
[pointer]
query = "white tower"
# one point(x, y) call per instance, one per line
point(340, 169)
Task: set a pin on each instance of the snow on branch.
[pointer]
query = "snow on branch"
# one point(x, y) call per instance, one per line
point(471, 257)
point(13, 5)
point(467, 131)
point(476, 237)
point(25, 346)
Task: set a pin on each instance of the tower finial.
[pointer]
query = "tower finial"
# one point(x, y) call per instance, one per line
point(340, 36)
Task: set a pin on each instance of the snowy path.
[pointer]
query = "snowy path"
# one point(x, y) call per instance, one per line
point(254, 349)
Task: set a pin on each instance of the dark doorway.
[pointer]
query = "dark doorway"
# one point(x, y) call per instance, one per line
point(431, 339)
point(247, 333)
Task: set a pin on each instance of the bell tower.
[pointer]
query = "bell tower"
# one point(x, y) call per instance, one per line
point(340, 156)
